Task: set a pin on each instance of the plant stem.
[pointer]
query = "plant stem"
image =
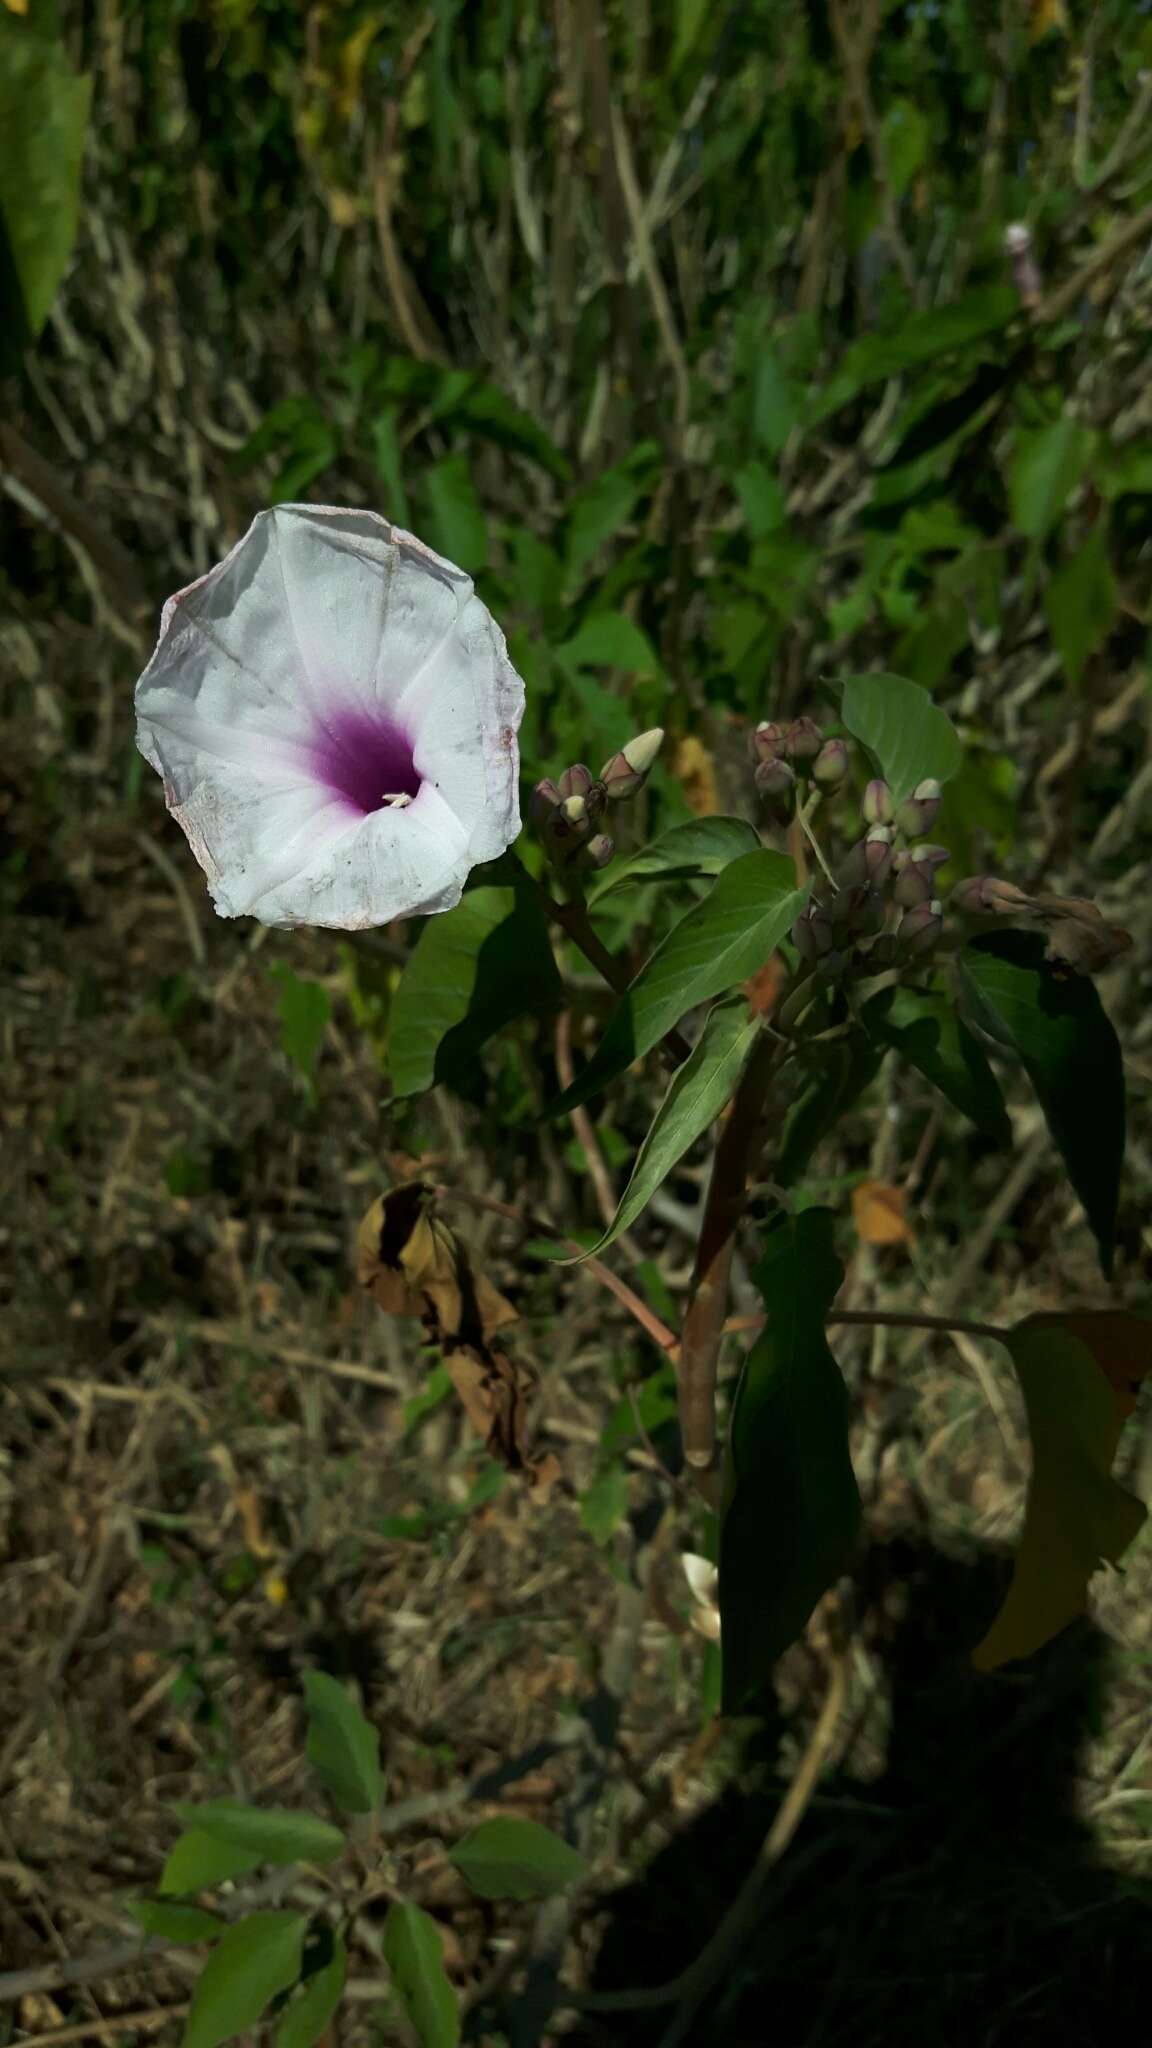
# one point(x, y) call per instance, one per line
point(571, 914)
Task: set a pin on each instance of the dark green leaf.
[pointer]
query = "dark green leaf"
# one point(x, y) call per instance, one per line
point(1082, 603)
point(609, 640)
point(904, 138)
point(414, 1952)
point(1046, 467)
point(925, 1029)
point(604, 1504)
point(303, 1009)
point(1057, 1027)
point(198, 1862)
point(273, 1834)
point(456, 522)
point(697, 1094)
point(920, 339)
point(598, 511)
point(307, 2017)
point(256, 1960)
point(471, 972)
point(762, 498)
point(43, 114)
point(182, 1924)
point(907, 736)
point(701, 846)
point(517, 1859)
point(847, 1067)
point(721, 943)
point(342, 1745)
point(792, 1508)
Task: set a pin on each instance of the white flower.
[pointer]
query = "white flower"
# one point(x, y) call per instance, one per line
point(334, 715)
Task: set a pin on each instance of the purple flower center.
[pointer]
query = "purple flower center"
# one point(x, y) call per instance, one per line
point(364, 757)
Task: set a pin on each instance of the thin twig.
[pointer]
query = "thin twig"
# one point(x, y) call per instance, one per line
point(115, 2023)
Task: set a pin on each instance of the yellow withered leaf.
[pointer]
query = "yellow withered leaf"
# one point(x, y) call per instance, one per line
point(878, 1211)
point(1078, 1373)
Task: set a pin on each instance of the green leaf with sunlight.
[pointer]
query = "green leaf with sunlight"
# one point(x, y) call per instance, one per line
point(43, 117)
point(697, 1094)
point(273, 1834)
point(517, 1859)
point(1077, 1518)
point(701, 846)
point(791, 1509)
point(413, 1949)
point(716, 947)
point(470, 973)
point(256, 1960)
point(1082, 603)
point(1056, 1027)
point(923, 1026)
point(907, 736)
point(342, 1746)
point(1046, 467)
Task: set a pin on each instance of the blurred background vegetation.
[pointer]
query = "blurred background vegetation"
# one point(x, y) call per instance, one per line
point(691, 331)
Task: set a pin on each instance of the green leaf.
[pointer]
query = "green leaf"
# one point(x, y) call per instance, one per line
point(1046, 467)
point(604, 1504)
point(847, 1067)
point(1082, 603)
point(609, 640)
point(255, 1961)
point(599, 509)
point(517, 1859)
point(471, 972)
point(456, 516)
point(791, 1509)
point(307, 2017)
point(762, 498)
point(721, 943)
point(904, 139)
point(414, 1952)
point(697, 1094)
point(185, 1925)
point(342, 1746)
point(43, 115)
point(272, 1834)
point(1077, 1518)
point(389, 460)
point(198, 1862)
point(920, 339)
point(701, 846)
point(775, 401)
point(303, 1009)
point(907, 735)
point(926, 1030)
point(689, 16)
point(1056, 1026)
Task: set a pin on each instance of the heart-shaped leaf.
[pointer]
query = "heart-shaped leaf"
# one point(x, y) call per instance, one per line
point(908, 737)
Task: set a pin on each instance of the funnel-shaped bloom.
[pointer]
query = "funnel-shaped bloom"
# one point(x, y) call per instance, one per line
point(334, 715)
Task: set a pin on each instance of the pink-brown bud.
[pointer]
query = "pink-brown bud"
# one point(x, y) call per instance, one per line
point(767, 741)
point(877, 802)
point(544, 800)
point(812, 933)
point(988, 896)
point(804, 740)
point(575, 781)
point(918, 813)
point(921, 927)
point(914, 884)
point(598, 851)
point(775, 779)
point(831, 765)
point(628, 770)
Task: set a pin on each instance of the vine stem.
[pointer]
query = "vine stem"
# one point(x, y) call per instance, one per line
point(571, 914)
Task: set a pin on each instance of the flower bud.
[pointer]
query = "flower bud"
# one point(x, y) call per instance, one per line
point(544, 800)
point(920, 928)
point(831, 765)
point(774, 778)
point(628, 770)
point(877, 803)
point(930, 856)
point(988, 896)
point(575, 781)
point(573, 816)
point(859, 910)
point(914, 884)
point(767, 741)
point(598, 851)
point(917, 814)
point(812, 933)
point(804, 740)
point(831, 966)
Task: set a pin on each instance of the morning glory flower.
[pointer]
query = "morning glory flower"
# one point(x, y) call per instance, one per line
point(334, 715)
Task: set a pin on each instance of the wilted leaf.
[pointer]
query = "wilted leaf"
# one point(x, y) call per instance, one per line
point(879, 1213)
point(696, 1095)
point(1077, 1518)
point(792, 1507)
point(414, 1265)
point(1056, 1026)
point(256, 1960)
point(716, 947)
point(693, 769)
point(517, 1859)
point(908, 737)
point(413, 1949)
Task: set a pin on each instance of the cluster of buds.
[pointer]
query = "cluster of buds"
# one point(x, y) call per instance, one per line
point(885, 911)
point(785, 755)
point(567, 812)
